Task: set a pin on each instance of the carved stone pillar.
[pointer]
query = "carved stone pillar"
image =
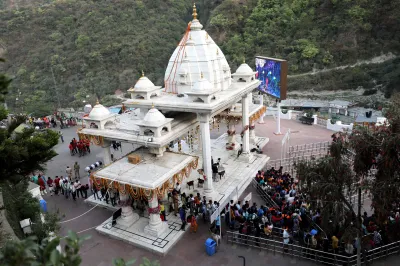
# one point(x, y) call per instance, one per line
point(128, 217)
point(156, 226)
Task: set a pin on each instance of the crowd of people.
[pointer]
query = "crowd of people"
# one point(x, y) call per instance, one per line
point(68, 185)
point(51, 121)
point(80, 147)
point(291, 219)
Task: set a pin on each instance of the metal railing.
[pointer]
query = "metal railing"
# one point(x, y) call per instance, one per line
point(292, 250)
point(316, 149)
point(383, 251)
point(308, 253)
point(299, 153)
point(268, 200)
point(289, 164)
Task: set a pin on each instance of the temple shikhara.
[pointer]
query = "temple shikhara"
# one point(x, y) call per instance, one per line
point(169, 129)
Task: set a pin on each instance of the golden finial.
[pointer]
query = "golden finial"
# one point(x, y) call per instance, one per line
point(194, 11)
point(97, 101)
point(207, 36)
point(142, 73)
point(244, 60)
point(152, 105)
point(201, 75)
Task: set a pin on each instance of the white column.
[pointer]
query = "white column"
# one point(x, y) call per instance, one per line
point(245, 122)
point(253, 134)
point(128, 217)
point(200, 146)
point(156, 226)
point(251, 97)
point(278, 119)
point(261, 99)
point(206, 151)
point(106, 152)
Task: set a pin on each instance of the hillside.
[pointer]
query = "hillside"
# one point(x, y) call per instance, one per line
point(96, 47)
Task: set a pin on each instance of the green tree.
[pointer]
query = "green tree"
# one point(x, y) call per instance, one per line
point(25, 152)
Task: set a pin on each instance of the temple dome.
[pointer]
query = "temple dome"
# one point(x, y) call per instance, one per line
point(203, 85)
point(153, 115)
point(143, 83)
point(199, 53)
point(99, 112)
point(244, 69)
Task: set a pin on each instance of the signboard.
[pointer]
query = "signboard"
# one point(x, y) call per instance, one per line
point(272, 73)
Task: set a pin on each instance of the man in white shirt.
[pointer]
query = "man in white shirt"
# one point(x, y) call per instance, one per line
point(78, 188)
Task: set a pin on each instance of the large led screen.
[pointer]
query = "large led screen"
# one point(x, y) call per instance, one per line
point(273, 76)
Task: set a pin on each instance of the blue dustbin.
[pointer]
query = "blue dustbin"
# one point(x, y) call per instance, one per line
point(43, 205)
point(210, 247)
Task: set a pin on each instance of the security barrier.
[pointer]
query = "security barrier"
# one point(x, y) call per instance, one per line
point(307, 253)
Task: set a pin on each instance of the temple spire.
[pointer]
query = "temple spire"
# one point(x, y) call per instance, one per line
point(142, 73)
point(194, 11)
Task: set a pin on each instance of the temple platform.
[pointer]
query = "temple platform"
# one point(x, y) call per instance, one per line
point(238, 175)
point(136, 236)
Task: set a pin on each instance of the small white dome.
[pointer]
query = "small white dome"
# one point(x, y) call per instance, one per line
point(244, 69)
point(203, 85)
point(153, 115)
point(99, 112)
point(143, 83)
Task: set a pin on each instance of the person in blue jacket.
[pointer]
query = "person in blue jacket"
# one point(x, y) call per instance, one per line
point(182, 214)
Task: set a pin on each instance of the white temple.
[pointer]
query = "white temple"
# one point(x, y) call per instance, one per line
point(171, 127)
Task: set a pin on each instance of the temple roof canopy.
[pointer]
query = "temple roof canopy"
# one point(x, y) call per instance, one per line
point(150, 173)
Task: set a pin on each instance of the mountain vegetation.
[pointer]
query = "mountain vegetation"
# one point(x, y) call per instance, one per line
point(61, 52)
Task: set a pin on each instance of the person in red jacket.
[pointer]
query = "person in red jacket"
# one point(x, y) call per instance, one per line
point(42, 186)
point(50, 184)
point(57, 185)
point(276, 219)
point(71, 148)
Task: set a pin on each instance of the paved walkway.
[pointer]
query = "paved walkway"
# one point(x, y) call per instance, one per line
point(100, 250)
